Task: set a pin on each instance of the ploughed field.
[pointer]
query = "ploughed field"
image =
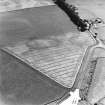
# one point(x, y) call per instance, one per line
point(47, 35)
point(42, 28)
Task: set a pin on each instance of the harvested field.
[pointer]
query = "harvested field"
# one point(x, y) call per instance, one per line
point(58, 58)
point(87, 80)
point(21, 85)
point(97, 88)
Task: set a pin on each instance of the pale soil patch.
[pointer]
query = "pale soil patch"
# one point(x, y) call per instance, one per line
point(9, 5)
